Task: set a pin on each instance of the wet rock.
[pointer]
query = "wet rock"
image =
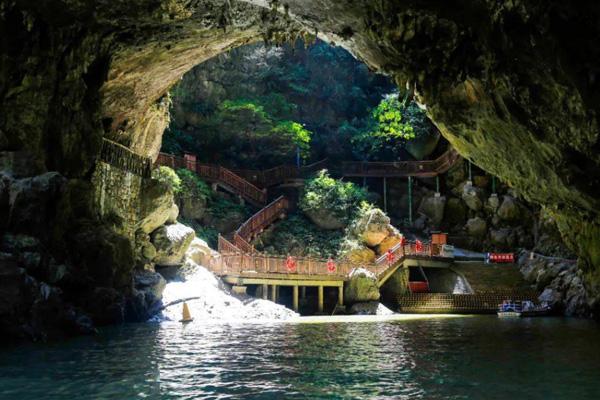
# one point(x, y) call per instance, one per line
point(509, 210)
point(171, 243)
point(370, 308)
point(105, 306)
point(473, 197)
point(361, 287)
point(151, 284)
point(455, 212)
point(156, 202)
point(14, 243)
point(501, 237)
point(476, 227)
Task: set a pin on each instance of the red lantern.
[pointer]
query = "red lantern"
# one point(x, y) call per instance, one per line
point(389, 256)
point(330, 265)
point(418, 246)
point(402, 241)
point(290, 263)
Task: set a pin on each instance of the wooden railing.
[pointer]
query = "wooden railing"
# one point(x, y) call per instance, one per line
point(258, 222)
point(425, 168)
point(234, 260)
point(122, 157)
point(277, 175)
point(216, 173)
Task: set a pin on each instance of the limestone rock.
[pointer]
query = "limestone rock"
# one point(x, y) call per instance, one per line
point(200, 253)
point(492, 203)
point(360, 255)
point(373, 227)
point(476, 227)
point(149, 251)
point(225, 223)
point(433, 207)
point(473, 197)
point(325, 219)
point(361, 287)
point(455, 212)
point(156, 202)
point(509, 210)
point(173, 214)
point(171, 242)
point(502, 237)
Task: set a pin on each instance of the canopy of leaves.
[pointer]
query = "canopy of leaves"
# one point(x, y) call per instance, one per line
point(168, 176)
point(191, 185)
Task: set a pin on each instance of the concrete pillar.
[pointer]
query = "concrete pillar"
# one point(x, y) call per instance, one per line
point(214, 187)
point(295, 298)
point(265, 292)
point(320, 309)
point(341, 295)
point(303, 292)
point(274, 293)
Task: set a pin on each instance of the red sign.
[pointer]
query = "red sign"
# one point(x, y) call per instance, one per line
point(502, 257)
point(290, 264)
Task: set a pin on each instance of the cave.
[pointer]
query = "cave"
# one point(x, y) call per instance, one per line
point(512, 86)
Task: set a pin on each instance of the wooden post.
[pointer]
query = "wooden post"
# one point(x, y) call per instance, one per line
point(410, 217)
point(265, 292)
point(295, 298)
point(341, 295)
point(274, 293)
point(320, 309)
point(385, 194)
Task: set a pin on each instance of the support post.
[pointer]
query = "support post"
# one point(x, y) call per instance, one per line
point(437, 183)
point(385, 194)
point(303, 292)
point(341, 295)
point(493, 184)
point(274, 293)
point(265, 292)
point(295, 298)
point(410, 216)
point(470, 172)
point(320, 309)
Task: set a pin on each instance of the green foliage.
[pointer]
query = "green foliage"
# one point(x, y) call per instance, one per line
point(296, 133)
point(388, 115)
point(192, 186)
point(297, 236)
point(325, 193)
point(219, 207)
point(168, 176)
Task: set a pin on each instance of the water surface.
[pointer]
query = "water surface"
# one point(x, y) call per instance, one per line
point(442, 358)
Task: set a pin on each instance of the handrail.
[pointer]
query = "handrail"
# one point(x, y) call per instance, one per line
point(257, 222)
point(216, 173)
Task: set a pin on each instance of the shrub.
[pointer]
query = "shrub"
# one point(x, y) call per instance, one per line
point(168, 176)
point(192, 186)
point(326, 193)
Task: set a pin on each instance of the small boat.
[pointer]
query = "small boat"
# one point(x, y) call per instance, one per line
point(525, 308)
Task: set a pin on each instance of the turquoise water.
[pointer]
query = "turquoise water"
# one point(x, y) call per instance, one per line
point(458, 358)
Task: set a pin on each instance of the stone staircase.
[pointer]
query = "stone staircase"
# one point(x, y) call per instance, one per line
point(441, 303)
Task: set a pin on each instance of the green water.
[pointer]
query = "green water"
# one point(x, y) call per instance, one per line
point(458, 358)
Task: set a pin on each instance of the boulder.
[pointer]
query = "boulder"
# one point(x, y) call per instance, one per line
point(192, 207)
point(370, 308)
point(173, 214)
point(151, 284)
point(388, 243)
point(481, 181)
point(476, 227)
point(361, 287)
point(373, 227)
point(501, 237)
point(492, 203)
point(149, 251)
point(156, 204)
point(200, 253)
point(473, 197)
point(360, 255)
point(433, 207)
point(171, 243)
point(325, 219)
point(509, 210)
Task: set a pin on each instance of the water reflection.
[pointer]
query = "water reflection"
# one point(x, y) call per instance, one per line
point(468, 358)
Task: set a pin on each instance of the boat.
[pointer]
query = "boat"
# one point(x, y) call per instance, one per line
point(525, 308)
